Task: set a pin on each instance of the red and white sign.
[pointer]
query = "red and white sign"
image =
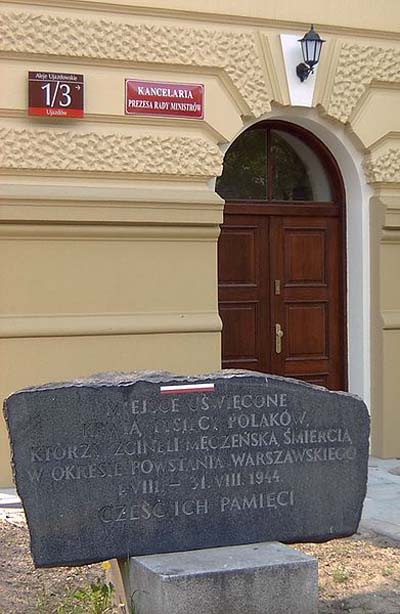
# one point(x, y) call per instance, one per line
point(162, 98)
point(186, 388)
point(55, 94)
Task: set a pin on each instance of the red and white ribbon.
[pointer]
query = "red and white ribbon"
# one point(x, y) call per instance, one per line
point(186, 388)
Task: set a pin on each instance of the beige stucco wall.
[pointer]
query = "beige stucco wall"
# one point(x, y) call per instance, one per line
point(109, 224)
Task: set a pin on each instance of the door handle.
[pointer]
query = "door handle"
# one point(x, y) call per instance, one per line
point(278, 338)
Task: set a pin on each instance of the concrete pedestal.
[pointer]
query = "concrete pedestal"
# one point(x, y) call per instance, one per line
point(267, 578)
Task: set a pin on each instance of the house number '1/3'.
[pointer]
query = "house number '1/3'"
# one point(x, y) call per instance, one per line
point(62, 94)
point(56, 94)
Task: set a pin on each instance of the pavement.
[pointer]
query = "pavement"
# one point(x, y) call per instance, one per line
point(10, 507)
point(381, 511)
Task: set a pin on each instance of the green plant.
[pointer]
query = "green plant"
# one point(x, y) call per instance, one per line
point(95, 598)
point(42, 603)
point(130, 594)
point(340, 574)
point(132, 605)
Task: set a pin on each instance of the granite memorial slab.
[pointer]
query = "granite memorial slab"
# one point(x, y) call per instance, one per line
point(121, 465)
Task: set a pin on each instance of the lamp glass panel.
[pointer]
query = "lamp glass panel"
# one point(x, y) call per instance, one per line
point(317, 52)
point(312, 52)
point(304, 50)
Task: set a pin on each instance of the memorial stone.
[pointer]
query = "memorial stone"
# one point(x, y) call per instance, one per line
point(121, 465)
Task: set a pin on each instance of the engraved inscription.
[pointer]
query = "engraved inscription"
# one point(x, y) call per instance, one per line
point(156, 451)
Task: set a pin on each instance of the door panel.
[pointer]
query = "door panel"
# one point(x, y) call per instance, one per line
point(304, 255)
point(243, 305)
point(308, 327)
point(239, 258)
point(240, 343)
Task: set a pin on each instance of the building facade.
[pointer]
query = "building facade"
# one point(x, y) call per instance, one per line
point(110, 223)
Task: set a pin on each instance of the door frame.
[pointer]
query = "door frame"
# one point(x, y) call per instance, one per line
point(301, 208)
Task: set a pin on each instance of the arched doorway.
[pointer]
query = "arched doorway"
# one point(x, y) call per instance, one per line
point(281, 257)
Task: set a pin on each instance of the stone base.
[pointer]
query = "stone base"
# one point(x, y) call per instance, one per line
point(252, 579)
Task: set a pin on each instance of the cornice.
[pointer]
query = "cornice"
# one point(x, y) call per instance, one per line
point(233, 52)
point(391, 236)
point(48, 150)
point(393, 136)
point(105, 324)
point(123, 120)
point(41, 231)
point(280, 25)
point(46, 202)
point(391, 319)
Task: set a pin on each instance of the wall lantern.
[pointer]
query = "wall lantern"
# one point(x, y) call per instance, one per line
point(311, 45)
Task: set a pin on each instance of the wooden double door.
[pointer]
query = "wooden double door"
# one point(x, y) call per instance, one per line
point(281, 292)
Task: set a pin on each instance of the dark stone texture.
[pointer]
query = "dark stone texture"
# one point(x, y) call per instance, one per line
point(110, 467)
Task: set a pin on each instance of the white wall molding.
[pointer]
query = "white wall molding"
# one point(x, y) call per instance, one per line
point(301, 94)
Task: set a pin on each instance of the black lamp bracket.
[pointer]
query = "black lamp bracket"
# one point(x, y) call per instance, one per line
point(303, 71)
